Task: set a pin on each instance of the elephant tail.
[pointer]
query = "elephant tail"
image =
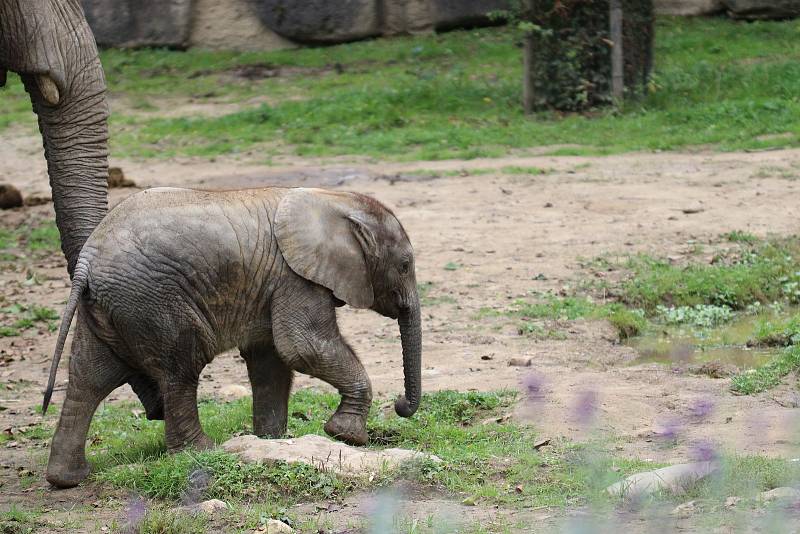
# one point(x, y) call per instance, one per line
point(80, 282)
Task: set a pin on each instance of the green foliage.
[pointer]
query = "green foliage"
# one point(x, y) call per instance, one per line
point(764, 272)
point(18, 521)
point(769, 375)
point(44, 237)
point(700, 315)
point(777, 333)
point(738, 236)
point(571, 60)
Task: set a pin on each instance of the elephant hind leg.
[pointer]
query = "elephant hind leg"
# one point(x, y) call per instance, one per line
point(94, 372)
point(150, 395)
point(181, 418)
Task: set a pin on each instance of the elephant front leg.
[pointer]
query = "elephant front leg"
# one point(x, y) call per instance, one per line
point(271, 380)
point(309, 341)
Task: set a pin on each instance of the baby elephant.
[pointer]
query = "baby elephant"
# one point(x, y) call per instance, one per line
point(172, 277)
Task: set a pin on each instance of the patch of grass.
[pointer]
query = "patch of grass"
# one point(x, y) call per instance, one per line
point(452, 266)
point(18, 317)
point(777, 333)
point(162, 520)
point(19, 521)
point(534, 171)
point(769, 375)
point(426, 299)
point(763, 272)
point(738, 236)
point(627, 322)
point(745, 477)
point(43, 237)
point(454, 95)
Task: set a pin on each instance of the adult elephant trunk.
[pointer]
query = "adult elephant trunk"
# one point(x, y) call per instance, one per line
point(50, 45)
point(411, 338)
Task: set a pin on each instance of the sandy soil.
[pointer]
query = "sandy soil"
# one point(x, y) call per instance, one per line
point(511, 236)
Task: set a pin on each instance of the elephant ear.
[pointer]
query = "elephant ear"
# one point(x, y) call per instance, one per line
point(325, 237)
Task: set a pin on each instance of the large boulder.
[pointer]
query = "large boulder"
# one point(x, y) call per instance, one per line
point(130, 23)
point(321, 21)
point(688, 7)
point(763, 9)
point(448, 14)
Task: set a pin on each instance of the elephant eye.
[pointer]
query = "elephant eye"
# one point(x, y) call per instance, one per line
point(404, 267)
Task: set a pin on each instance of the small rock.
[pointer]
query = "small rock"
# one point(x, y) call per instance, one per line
point(233, 391)
point(116, 178)
point(730, 502)
point(541, 443)
point(278, 527)
point(320, 452)
point(714, 369)
point(781, 494)
point(497, 420)
point(36, 200)
point(675, 478)
point(692, 211)
point(520, 362)
point(10, 197)
point(210, 507)
point(487, 357)
point(683, 509)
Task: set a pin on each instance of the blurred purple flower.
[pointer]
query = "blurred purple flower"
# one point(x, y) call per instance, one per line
point(669, 431)
point(533, 386)
point(700, 409)
point(134, 513)
point(703, 451)
point(199, 480)
point(586, 407)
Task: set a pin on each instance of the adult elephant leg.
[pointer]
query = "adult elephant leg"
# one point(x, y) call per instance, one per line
point(149, 394)
point(271, 380)
point(94, 372)
point(181, 378)
point(309, 341)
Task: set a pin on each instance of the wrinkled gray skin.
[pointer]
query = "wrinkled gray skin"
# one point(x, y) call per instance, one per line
point(172, 277)
point(50, 45)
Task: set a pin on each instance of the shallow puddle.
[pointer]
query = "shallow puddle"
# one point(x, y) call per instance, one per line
point(727, 343)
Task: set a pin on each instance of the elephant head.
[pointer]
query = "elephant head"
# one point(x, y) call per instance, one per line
point(354, 246)
point(50, 45)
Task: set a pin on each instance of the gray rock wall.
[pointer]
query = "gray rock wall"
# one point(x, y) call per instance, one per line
point(763, 9)
point(139, 22)
point(688, 7)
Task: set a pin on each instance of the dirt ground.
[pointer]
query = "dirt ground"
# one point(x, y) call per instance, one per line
point(508, 236)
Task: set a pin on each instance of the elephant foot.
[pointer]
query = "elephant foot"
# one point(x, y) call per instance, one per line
point(351, 429)
point(61, 475)
point(199, 443)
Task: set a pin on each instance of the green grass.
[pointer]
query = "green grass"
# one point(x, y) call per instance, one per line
point(42, 237)
point(718, 82)
point(628, 322)
point(19, 521)
point(489, 462)
point(165, 521)
point(777, 333)
point(17, 317)
point(769, 375)
point(764, 272)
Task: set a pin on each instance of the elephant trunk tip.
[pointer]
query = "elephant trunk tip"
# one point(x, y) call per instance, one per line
point(403, 408)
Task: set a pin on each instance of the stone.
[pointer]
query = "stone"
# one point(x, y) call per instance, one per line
point(209, 507)
point(449, 14)
point(10, 197)
point(320, 452)
point(233, 392)
point(683, 509)
point(762, 9)
point(116, 178)
point(321, 21)
point(732, 501)
point(274, 526)
point(688, 7)
point(781, 494)
point(675, 478)
point(132, 23)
